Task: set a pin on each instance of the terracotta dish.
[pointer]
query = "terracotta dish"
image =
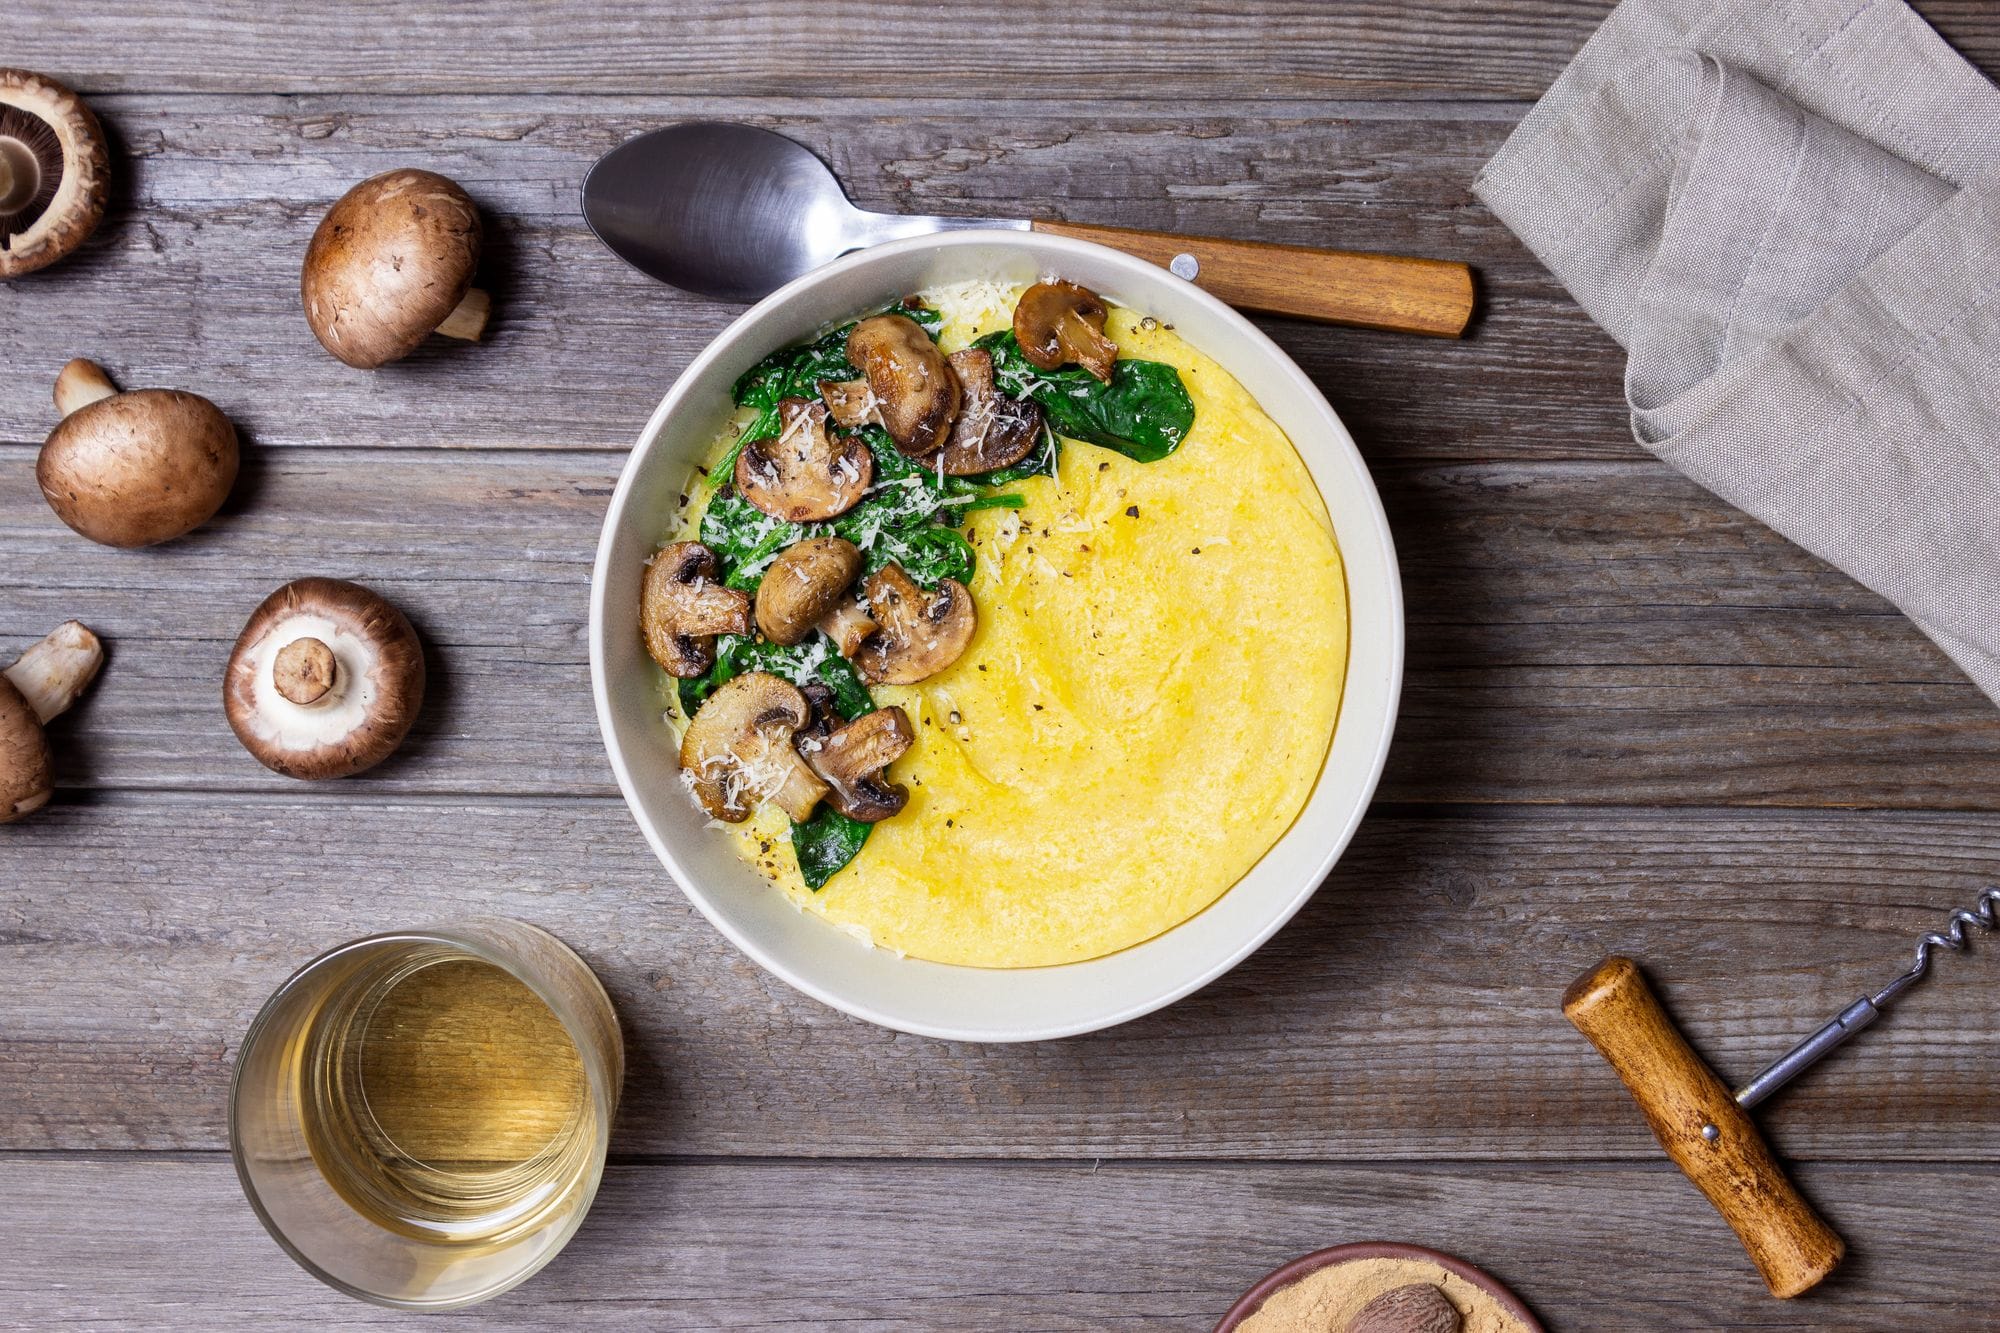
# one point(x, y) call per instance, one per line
point(1253, 1299)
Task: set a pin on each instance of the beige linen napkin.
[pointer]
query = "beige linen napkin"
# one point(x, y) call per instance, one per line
point(1788, 212)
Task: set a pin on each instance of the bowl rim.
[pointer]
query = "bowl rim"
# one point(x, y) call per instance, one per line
point(1306, 1264)
point(1333, 846)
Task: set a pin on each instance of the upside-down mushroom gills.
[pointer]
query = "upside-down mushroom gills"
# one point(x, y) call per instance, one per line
point(55, 172)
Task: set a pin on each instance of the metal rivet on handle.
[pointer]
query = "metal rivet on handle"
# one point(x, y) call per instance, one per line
point(1185, 266)
point(1711, 1133)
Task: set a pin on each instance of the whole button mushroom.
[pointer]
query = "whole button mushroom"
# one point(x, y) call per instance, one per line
point(55, 172)
point(325, 680)
point(391, 264)
point(132, 469)
point(41, 685)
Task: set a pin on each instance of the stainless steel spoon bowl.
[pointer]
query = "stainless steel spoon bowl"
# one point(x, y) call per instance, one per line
point(732, 211)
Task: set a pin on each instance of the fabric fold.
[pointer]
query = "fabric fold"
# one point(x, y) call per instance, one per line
point(1789, 214)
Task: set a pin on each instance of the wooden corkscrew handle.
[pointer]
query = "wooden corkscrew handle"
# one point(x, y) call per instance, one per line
point(1696, 1119)
point(1394, 292)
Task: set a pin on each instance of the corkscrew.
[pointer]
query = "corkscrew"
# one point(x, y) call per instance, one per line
point(1707, 1130)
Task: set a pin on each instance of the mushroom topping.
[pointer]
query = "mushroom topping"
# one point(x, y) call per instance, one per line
point(852, 403)
point(916, 394)
point(1057, 323)
point(848, 624)
point(993, 430)
point(682, 607)
point(42, 684)
point(851, 760)
point(804, 474)
point(921, 632)
point(738, 750)
point(55, 172)
point(803, 585)
point(132, 469)
point(391, 264)
point(325, 680)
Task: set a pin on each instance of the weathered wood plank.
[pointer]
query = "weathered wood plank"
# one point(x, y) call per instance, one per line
point(1056, 1247)
point(1195, 51)
point(1597, 633)
point(1409, 1012)
point(193, 282)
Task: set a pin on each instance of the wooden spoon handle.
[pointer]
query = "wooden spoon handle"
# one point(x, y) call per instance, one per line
point(1613, 1006)
point(1395, 292)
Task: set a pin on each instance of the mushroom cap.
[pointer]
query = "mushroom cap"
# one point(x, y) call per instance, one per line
point(921, 632)
point(803, 584)
point(1057, 323)
point(378, 681)
point(737, 752)
point(992, 430)
point(57, 141)
point(27, 770)
point(138, 468)
point(804, 473)
point(916, 395)
point(391, 259)
point(682, 607)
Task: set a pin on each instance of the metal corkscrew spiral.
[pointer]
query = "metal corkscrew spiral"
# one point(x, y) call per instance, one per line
point(1985, 914)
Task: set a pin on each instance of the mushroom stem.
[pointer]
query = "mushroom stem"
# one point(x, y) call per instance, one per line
point(55, 671)
point(304, 670)
point(20, 177)
point(467, 320)
point(81, 383)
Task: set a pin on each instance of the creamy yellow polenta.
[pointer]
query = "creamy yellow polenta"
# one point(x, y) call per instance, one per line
point(1143, 712)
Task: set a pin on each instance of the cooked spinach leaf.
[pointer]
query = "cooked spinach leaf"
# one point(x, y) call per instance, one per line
point(825, 844)
point(745, 538)
point(801, 664)
point(795, 372)
point(1143, 413)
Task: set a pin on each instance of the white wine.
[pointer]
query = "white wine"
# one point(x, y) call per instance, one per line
point(421, 1118)
point(446, 1101)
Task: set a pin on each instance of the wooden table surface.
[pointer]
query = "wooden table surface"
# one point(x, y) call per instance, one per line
point(1634, 719)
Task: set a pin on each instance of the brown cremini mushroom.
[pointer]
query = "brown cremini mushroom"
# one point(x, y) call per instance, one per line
point(851, 403)
point(804, 474)
point(132, 469)
point(916, 395)
point(683, 606)
point(992, 430)
point(803, 585)
point(738, 751)
point(850, 759)
point(1057, 323)
point(41, 685)
point(392, 263)
point(325, 680)
point(921, 632)
point(55, 172)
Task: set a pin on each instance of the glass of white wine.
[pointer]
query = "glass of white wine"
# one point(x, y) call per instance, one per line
point(420, 1117)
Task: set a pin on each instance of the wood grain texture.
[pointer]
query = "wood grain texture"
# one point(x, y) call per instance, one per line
point(193, 280)
point(1410, 1011)
point(1606, 634)
point(1701, 1128)
point(1029, 1249)
point(1397, 293)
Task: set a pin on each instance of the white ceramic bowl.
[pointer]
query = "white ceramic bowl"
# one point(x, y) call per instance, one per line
point(937, 999)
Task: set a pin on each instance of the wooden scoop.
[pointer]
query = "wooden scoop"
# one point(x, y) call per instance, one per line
point(1696, 1119)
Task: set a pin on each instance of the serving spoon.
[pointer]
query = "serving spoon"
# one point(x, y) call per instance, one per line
point(734, 212)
